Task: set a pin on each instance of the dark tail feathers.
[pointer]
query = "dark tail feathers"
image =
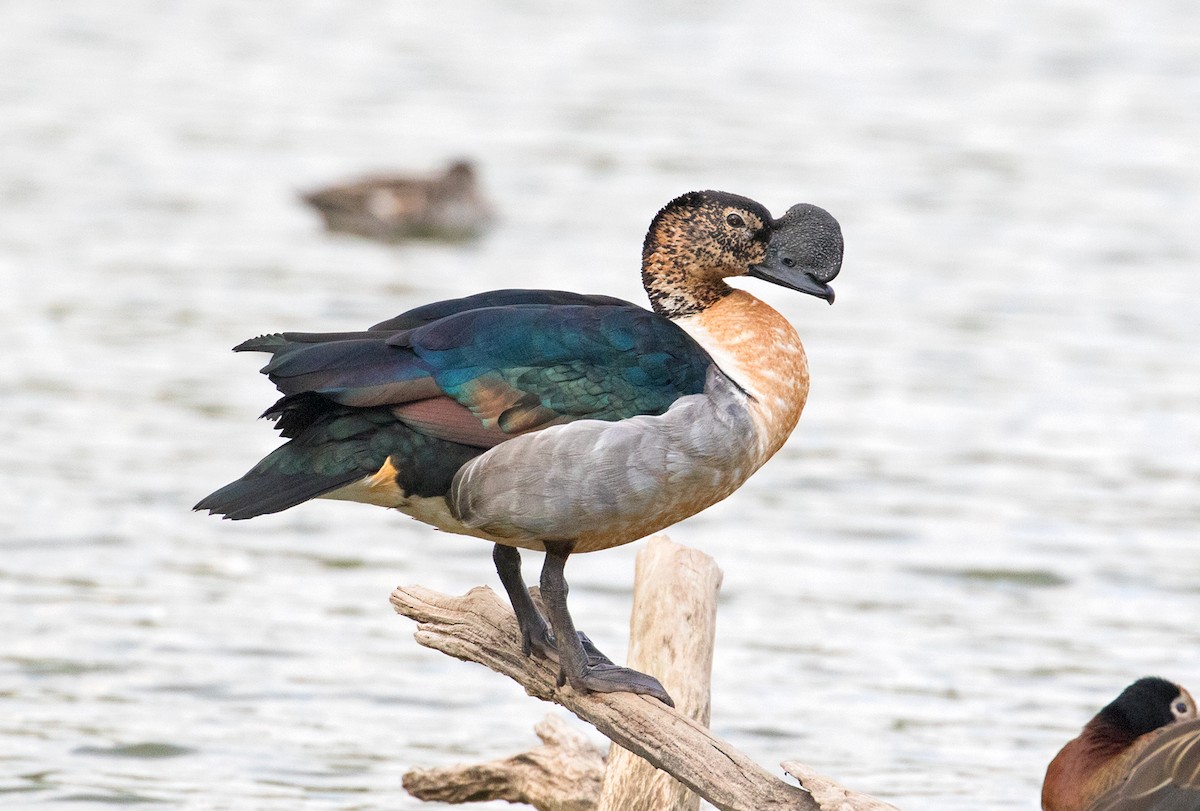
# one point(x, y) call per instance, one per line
point(262, 492)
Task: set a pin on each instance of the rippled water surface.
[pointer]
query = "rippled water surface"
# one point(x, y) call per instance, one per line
point(985, 526)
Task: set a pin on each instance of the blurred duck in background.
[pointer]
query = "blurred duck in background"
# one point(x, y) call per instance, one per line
point(1140, 753)
point(391, 208)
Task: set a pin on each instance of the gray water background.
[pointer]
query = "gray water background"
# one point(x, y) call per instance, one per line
point(984, 527)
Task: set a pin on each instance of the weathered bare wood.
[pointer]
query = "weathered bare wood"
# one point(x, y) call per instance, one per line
point(672, 633)
point(563, 774)
point(830, 795)
point(478, 627)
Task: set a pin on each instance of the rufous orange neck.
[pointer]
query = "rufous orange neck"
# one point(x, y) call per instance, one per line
point(760, 351)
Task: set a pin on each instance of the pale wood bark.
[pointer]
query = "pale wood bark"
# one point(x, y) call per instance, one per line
point(831, 796)
point(479, 627)
point(563, 774)
point(672, 632)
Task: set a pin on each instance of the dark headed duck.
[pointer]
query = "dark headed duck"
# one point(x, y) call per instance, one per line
point(1140, 753)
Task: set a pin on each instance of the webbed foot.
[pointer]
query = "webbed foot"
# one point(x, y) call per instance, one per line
point(605, 677)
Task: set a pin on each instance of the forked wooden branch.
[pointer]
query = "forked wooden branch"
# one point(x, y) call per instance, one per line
point(478, 627)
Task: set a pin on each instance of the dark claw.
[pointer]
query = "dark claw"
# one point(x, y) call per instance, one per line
point(545, 645)
point(541, 640)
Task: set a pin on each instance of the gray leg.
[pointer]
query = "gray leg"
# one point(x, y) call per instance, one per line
point(535, 634)
point(575, 665)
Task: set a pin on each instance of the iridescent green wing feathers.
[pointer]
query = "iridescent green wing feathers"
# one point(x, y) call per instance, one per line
point(515, 368)
point(438, 385)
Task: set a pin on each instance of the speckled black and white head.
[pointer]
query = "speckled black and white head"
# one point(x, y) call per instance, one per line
point(702, 238)
point(1144, 706)
point(695, 242)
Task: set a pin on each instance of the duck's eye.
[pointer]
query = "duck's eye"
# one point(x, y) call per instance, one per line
point(736, 221)
point(1181, 708)
point(788, 262)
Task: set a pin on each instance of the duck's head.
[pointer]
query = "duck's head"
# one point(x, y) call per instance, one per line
point(459, 176)
point(1144, 706)
point(702, 238)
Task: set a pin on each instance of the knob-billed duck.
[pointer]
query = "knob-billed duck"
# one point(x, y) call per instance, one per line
point(557, 421)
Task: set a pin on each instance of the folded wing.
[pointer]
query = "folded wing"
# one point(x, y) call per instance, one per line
point(436, 386)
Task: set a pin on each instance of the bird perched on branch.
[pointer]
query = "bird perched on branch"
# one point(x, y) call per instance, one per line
point(390, 208)
point(1140, 753)
point(557, 421)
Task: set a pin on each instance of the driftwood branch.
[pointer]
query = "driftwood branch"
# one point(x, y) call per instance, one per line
point(478, 627)
point(563, 774)
point(831, 796)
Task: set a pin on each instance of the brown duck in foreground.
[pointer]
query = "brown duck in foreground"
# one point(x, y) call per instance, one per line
point(391, 208)
point(1140, 753)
